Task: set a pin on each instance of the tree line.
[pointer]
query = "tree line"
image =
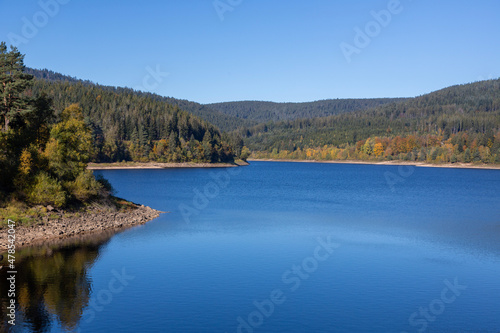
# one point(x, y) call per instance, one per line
point(465, 119)
point(429, 148)
point(128, 125)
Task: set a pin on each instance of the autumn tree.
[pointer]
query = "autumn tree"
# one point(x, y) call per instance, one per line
point(378, 149)
point(69, 146)
point(68, 153)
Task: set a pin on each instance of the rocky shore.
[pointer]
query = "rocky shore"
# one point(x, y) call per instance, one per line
point(62, 225)
point(397, 163)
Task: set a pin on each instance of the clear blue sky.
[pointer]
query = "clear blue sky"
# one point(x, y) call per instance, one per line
point(276, 50)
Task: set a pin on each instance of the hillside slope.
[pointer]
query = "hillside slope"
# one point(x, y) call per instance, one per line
point(128, 125)
point(223, 121)
point(468, 115)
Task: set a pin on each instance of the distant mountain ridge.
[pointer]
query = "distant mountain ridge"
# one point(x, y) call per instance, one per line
point(270, 111)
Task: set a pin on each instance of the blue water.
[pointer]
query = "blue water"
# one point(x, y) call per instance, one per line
point(292, 247)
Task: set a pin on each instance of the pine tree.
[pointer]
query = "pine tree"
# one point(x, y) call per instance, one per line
point(13, 83)
point(173, 142)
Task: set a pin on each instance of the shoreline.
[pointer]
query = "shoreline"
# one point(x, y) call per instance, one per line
point(395, 163)
point(85, 224)
point(67, 226)
point(160, 165)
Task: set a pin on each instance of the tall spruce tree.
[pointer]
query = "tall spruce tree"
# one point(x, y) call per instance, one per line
point(13, 83)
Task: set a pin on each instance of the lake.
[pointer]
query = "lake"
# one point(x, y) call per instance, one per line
point(280, 247)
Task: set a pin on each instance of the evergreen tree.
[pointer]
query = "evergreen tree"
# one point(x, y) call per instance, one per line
point(13, 83)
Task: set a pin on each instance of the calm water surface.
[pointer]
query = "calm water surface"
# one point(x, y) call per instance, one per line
point(280, 247)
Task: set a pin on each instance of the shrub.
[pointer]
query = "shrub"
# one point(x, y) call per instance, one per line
point(85, 186)
point(245, 153)
point(46, 191)
point(105, 184)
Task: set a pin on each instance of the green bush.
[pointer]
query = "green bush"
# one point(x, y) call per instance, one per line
point(105, 184)
point(245, 153)
point(46, 191)
point(85, 186)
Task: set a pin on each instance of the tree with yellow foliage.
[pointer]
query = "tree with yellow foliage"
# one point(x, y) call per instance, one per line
point(68, 149)
point(378, 149)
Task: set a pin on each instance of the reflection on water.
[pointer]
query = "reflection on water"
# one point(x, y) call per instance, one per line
point(52, 284)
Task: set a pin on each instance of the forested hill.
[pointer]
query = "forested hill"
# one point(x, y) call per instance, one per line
point(127, 125)
point(269, 111)
point(230, 116)
point(48, 75)
point(459, 123)
point(223, 121)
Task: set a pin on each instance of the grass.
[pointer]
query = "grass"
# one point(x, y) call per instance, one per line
point(21, 213)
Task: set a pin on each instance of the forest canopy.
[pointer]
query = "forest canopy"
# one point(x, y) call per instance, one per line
point(456, 124)
point(127, 125)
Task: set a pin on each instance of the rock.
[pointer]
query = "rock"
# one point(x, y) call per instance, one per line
point(90, 221)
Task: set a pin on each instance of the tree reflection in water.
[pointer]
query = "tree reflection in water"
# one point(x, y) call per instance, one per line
point(52, 283)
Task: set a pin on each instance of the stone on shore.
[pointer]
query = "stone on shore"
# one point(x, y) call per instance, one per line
point(66, 225)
